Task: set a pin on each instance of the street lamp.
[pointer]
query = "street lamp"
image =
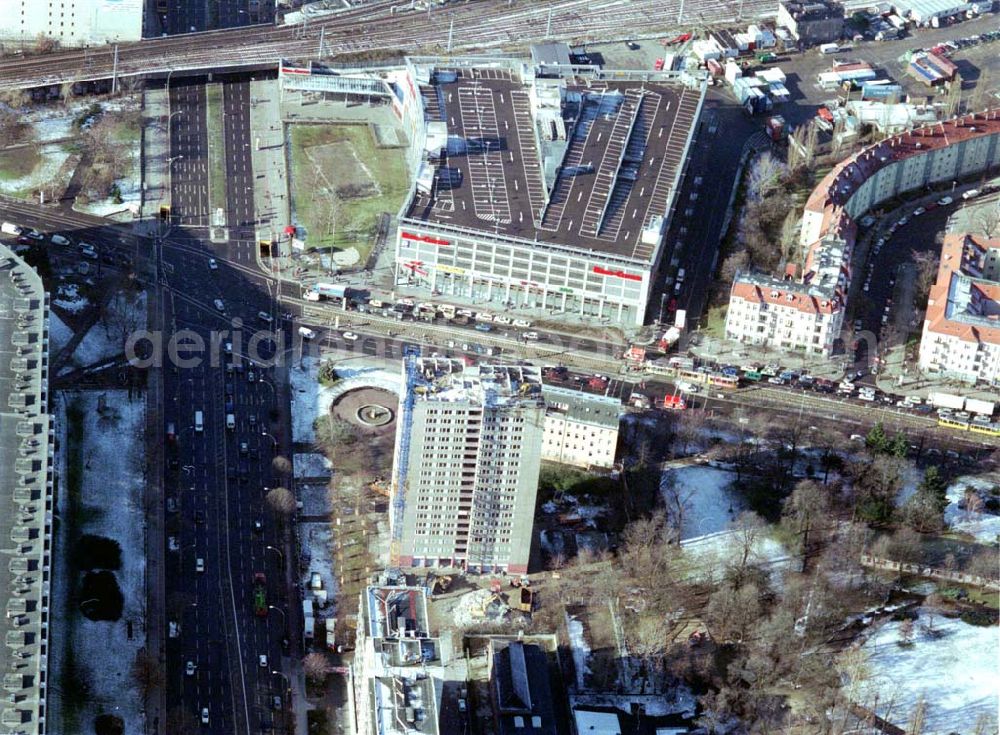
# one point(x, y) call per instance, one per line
point(284, 618)
point(272, 438)
point(277, 551)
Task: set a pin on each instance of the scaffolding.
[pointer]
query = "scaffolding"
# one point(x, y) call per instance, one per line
point(403, 459)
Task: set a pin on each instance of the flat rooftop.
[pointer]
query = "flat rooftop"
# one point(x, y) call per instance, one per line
point(443, 379)
point(624, 149)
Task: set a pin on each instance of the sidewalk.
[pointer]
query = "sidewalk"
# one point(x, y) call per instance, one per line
point(155, 154)
point(270, 191)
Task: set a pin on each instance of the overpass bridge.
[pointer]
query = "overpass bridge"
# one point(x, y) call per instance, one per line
point(374, 31)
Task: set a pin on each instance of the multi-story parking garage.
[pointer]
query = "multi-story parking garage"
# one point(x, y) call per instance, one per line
point(535, 190)
point(545, 193)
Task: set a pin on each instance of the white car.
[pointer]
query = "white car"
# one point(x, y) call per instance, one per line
point(918, 211)
point(531, 336)
point(262, 660)
point(60, 240)
point(189, 668)
point(199, 564)
point(350, 336)
point(265, 317)
point(944, 201)
point(971, 194)
point(219, 305)
point(306, 333)
point(33, 234)
point(212, 265)
point(204, 710)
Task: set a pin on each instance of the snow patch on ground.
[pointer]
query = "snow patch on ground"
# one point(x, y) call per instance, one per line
point(131, 195)
point(311, 465)
point(678, 701)
point(59, 333)
point(580, 650)
point(53, 157)
point(956, 672)
point(713, 551)
point(69, 299)
point(467, 611)
point(313, 499)
point(310, 400)
point(104, 339)
point(984, 527)
point(112, 506)
point(709, 505)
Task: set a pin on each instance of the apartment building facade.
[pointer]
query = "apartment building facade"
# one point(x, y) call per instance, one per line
point(71, 22)
point(466, 464)
point(807, 314)
point(961, 334)
point(581, 429)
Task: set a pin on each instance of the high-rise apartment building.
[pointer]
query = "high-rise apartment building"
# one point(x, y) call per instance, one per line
point(465, 472)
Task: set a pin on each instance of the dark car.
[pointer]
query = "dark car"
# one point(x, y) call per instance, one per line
point(244, 470)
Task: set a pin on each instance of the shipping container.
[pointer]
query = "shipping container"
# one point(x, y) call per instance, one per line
point(946, 400)
point(976, 405)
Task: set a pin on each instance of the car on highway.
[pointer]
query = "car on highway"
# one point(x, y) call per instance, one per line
point(204, 710)
point(777, 380)
point(350, 336)
point(265, 317)
point(33, 235)
point(944, 201)
point(258, 525)
point(251, 375)
point(212, 265)
point(199, 564)
point(632, 45)
point(531, 336)
point(60, 240)
point(262, 661)
point(252, 419)
point(244, 448)
point(276, 701)
point(971, 194)
point(219, 305)
point(918, 211)
point(480, 327)
point(189, 668)
point(306, 333)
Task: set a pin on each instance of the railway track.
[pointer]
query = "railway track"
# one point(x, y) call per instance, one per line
point(372, 28)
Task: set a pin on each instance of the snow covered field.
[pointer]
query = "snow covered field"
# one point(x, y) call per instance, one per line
point(112, 506)
point(317, 542)
point(956, 671)
point(984, 527)
point(709, 504)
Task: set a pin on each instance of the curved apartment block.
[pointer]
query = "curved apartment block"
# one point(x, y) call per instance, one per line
point(808, 314)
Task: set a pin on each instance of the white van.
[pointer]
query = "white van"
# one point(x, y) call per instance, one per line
point(230, 421)
point(829, 48)
point(199, 421)
point(680, 275)
point(8, 228)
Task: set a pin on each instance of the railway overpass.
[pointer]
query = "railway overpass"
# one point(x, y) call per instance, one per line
point(374, 31)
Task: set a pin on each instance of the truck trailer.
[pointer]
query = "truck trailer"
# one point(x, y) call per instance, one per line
point(320, 291)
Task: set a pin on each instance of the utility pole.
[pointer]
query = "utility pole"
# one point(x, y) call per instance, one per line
point(548, 24)
point(322, 36)
point(451, 32)
point(114, 72)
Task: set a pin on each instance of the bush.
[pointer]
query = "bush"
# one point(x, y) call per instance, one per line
point(98, 552)
point(100, 597)
point(109, 725)
point(984, 617)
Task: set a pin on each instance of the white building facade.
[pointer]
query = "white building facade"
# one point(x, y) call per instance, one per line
point(71, 22)
point(581, 429)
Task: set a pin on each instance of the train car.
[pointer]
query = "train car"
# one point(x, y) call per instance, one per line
point(987, 429)
point(953, 423)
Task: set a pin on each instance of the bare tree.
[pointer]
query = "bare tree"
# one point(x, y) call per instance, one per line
point(804, 508)
point(747, 531)
point(647, 642)
point(12, 127)
point(918, 718)
point(677, 499)
point(765, 175)
point(732, 265)
point(316, 667)
point(953, 104)
point(988, 221)
point(979, 99)
point(281, 500)
point(148, 671)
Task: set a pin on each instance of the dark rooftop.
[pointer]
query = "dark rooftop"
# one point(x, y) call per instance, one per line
point(523, 697)
point(616, 180)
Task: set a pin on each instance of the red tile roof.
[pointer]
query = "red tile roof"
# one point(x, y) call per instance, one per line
point(956, 253)
point(763, 293)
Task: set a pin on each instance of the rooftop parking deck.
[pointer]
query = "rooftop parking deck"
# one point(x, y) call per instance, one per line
point(625, 147)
